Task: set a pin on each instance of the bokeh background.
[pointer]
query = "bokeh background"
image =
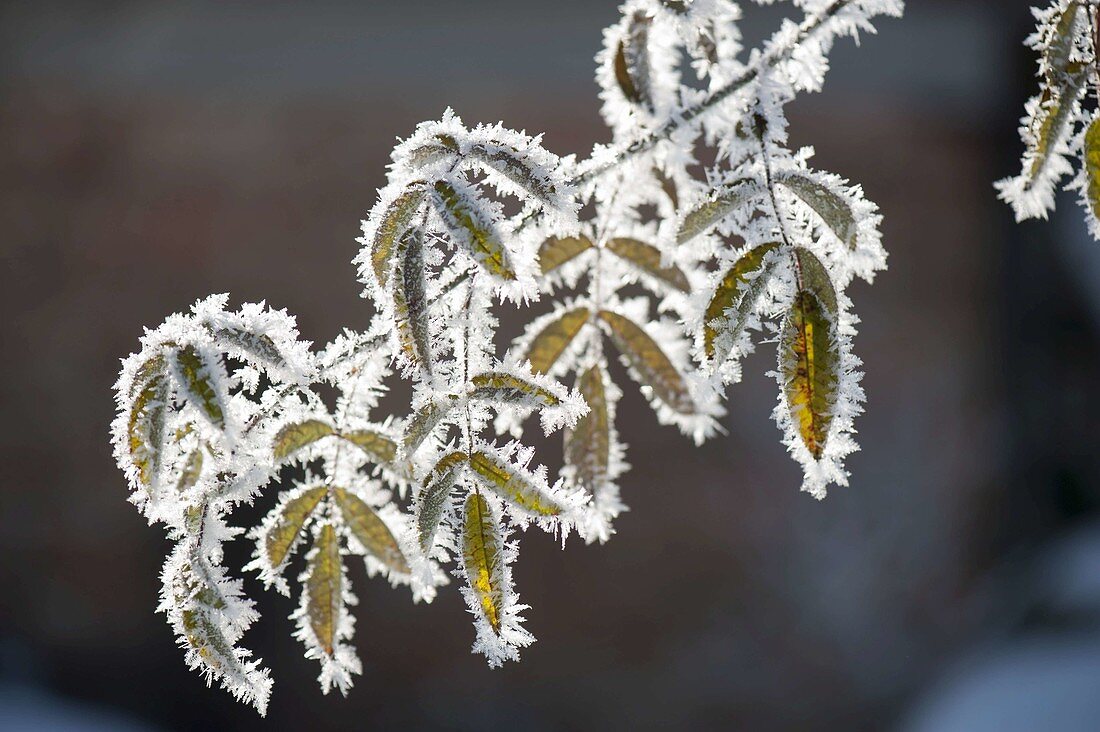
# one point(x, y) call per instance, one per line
point(152, 153)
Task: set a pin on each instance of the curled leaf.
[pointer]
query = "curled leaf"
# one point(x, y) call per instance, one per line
point(474, 230)
point(632, 67)
point(548, 346)
point(557, 250)
point(647, 258)
point(394, 224)
point(735, 289)
point(650, 363)
point(512, 485)
point(294, 437)
point(371, 531)
point(199, 386)
point(293, 515)
point(481, 554)
point(324, 598)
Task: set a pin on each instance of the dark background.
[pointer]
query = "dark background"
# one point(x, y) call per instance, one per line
point(152, 153)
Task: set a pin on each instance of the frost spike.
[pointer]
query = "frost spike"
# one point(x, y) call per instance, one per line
point(724, 201)
point(728, 294)
point(294, 437)
point(650, 363)
point(513, 486)
point(292, 517)
point(481, 553)
point(370, 530)
point(557, 250)
point(200, 390)
point(830, 206)
point(477, 236)
point(324, 593)
point(647, 258)
point(548, 346)
point(393, 225)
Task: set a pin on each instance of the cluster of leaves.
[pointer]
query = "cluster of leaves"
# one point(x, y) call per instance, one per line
point(1060, 122)
point(675, 266)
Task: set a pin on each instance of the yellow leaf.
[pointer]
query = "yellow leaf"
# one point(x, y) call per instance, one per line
point(826, 203)
point(411, 302)
point(1092, 166)
point(393, 225)
point(433, 497)
point(647, 258)
point(588, 444)
point(557, 250)
point(379, 447)
point(324, 591)
point(808, 359)
point(653, 367)
point(292, 517)
point(200, 388)
point(295, 436)
point(502, 387)
point(481, 554)
point(548, 346)
point(371, 531)
point(729, 294)
point(474, 232)
point(721, 204)
point(512, 485)
point(145, 430)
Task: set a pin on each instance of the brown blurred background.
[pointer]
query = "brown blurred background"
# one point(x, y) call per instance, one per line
point(152, 153)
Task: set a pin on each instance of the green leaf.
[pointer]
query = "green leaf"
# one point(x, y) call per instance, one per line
point(502, 387)
point(647, 258)
point(475, 231)
point(729, 294)
point(371, 531)
point(588, 443)
point(808, 359)
point(199, 386)
point(512, 485)
point(723, 201)
point(324, 591)
point(508, 164)
point(145, 430)
point(433, 497)
point(653, 367)
point(378, 446)
point(1092, 166)
point(411, 302)
point(421, 424)
point(833, 209)
point(557, 250)
point(294, 437)
point(292, 517)
point(550, 343)
point(481, 554)
point(394, 223)
point(257, 345)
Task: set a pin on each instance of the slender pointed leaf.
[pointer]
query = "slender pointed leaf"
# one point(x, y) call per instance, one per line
point(647, 258)
point(723, 202)
point(652, 366)
point(557, 250)
point(588, 443)
point(548, 346)
point(395, 222)
point(378, 446)
point(738, 292)
point(294, 437)
point(433, 497)
point(474, 230)
point(503, 387)
point(199, 386)
point(833, 209)
point(292, 517)
point(371, 531)
point(512, 485)
point(482, 548)
point(324, 589)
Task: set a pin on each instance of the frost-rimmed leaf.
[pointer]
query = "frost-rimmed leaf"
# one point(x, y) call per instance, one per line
point(588, 444)
point(833, 209)
point(513, 486)
point(720, 204)
point(289, 518)
point(646, 358)
point(370, 531)
point(474, 229)
point(547, 346)
point(421, 424)
point(558, 250)
point(433, 497)
point(393, 225)
point(196, 373)
point(295, 436)
point(734, 297)
point(190, 471)
point(323, 588)
point(482, 547)
point(257, 345)
point(410, 302)
point(145, 426)
point(378, 446)
point(500, 386)
point(508, 163)
point(647, 258)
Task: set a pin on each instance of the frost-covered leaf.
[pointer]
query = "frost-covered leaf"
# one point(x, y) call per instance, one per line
point(291, 517)
point(410, 302)
point(512, 485)
point(723, 202)
point(552, 341)
point(481, 554)
point(508, 163)
point(191, 471)
point(434, 495)
point(833, 209)
point(197, 380)
point(147, 416)
point(632, 70)
point(558, 250)
point(738, 290)
point(395, 222)
point(651, 364)
point(377, 445)
point(370, 530)
point(323, 588)
point(1092, 167)
point(258, 345)
point(294, 437)
point(647, 258)
point(588, 444)
point(474, 229)
point(504, 387)
point(421, 424)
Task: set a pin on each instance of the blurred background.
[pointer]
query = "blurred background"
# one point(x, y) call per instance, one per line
point(152, 153)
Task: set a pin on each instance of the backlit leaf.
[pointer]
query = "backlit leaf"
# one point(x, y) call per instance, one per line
point(503, 387)
point(145, 430)
point(481, 555)
point(292, 517)
point(729, 294)
point(257, 345)
point(474, 230)
point(723, 202)
point(324, 598)
point(588, 444)
point(652, 366)
point(380, 447)
point(192, 469)
point(557, 250)
point(394, 224)
point(632, 70)
point(1092, 166)
point(294, 437)
point(826, 203)
point(508, 164)
point(370, 531)
point(200, 387)
point(647, 258)
point(411, 302)
point(512, 485)
point(421, 424)
point(433, 497)
point(548, 346)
